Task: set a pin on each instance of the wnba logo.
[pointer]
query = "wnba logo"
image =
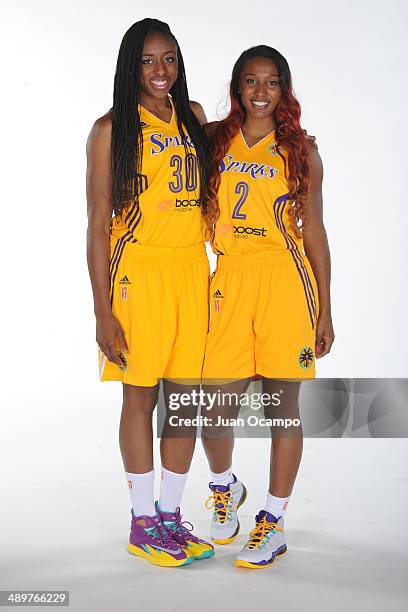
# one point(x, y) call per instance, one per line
point(130, 484)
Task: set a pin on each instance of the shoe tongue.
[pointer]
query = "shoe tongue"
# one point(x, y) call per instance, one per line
point(167, 516)
point(220, 488)
point(269, 517)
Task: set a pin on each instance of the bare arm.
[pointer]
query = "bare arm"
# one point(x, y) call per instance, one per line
point(199, 112)
point(317, 251)
point(109, 334)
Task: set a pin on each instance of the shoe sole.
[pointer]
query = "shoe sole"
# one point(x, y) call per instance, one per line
point(249, 565)
point(240, 503)
point(228, 540)
point(134, 550)
point(205, 555)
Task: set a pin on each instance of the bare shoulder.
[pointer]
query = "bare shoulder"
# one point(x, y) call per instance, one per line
point(196, 106)
point(315, 159)
point(198, 110)
point(211, 127)
point(316, 164)
point(101, 132)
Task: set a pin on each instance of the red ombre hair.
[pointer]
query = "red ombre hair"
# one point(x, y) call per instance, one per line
point(289, 136)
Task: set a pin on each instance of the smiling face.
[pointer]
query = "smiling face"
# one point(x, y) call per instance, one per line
point(259, 87)
point(159, 67)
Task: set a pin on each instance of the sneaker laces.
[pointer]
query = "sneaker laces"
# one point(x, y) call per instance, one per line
point(162, 535)
point(179, 528)
point(222, 504)
point(262, 533)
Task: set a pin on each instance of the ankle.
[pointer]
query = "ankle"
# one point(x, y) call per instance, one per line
point(222, 478)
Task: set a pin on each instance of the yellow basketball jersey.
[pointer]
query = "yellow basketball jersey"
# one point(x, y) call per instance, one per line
point(168, 213)
point(254, 200)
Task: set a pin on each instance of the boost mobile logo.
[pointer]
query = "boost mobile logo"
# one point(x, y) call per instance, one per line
point(250, 231)
point(186, 203)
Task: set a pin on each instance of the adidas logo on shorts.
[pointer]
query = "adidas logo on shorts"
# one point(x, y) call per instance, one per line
point(124, 281)
point(218, 294)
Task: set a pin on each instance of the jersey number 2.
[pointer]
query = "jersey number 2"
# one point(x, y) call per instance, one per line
point(242, 190)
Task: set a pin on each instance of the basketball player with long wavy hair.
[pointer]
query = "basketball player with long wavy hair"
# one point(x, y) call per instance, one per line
point(270, 313)
point(149, 163)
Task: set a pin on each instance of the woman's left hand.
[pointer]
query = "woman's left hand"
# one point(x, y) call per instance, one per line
point(324, 335)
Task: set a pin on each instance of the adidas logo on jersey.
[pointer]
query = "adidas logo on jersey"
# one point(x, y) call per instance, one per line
point(124, 281)
point(144, 125)
point(218, 294)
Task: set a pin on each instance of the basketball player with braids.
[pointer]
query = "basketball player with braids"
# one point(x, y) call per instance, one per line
point(149, 163)
point(270, 311)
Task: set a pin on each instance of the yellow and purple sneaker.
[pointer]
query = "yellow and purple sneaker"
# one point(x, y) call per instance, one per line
point(182, 534)
point(266, 543)
point(150, 540)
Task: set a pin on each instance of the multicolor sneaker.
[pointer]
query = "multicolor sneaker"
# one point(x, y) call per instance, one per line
point(225, 501)
point(152, 541)
point(195, 546)
point(266, 542)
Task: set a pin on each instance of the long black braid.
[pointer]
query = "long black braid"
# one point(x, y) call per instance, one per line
point(127, 138)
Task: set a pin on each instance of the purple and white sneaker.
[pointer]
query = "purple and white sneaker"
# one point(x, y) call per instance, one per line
point(225, 501)
point(266, 542)
point(150, 540)
point(182, 534)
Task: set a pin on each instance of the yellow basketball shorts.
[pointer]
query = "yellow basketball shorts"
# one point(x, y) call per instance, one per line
point(160, 298)
point(263, 314)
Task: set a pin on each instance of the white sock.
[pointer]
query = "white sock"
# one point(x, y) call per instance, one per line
point(276, 505)
point(224, 478)
point(171, 490)
point(141, 493)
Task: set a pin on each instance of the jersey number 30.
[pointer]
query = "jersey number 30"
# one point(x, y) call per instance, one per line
point(190, 163)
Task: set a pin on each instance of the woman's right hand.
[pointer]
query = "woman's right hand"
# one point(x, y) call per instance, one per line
point(110, 338)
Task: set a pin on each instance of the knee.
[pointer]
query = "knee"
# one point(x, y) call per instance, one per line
point(217, 433)
point(139, 399)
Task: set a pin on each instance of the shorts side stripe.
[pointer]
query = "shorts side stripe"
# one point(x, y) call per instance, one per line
point(114, 254)
point(302, 272)
point(128, 237)
point(309, 284)
point(102, 363)
point(279, 207)
point(305, 276)
point(132, 219)
point(116, 266)
point(292, 246)
point(130, 212)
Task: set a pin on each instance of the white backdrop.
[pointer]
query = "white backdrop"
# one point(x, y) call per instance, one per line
point(348, 69)
point(58, 435)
